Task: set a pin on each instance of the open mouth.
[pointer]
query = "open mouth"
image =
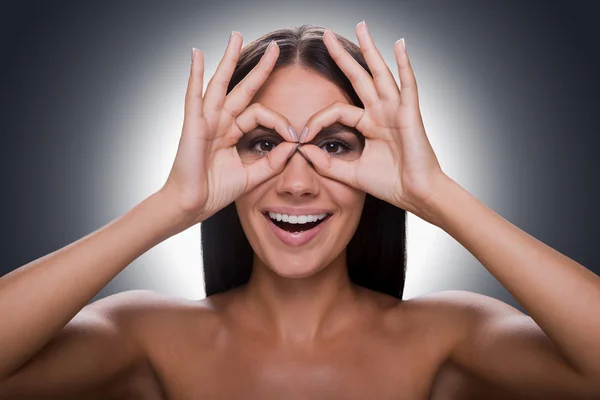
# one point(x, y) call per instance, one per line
point(296, 224)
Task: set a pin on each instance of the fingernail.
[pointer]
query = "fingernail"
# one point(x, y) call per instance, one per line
point(293, 133)
point(332, 34)
point(362, 22)
point(193, 49)
point(303, 134)
point(292, 152)
point(303, 154)
point(403, 43)
point(270, 45)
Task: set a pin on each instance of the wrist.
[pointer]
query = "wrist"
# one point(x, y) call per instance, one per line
point(433, 207)
point(174, 218)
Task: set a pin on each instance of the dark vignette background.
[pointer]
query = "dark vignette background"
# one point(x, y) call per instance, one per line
point(92, 106)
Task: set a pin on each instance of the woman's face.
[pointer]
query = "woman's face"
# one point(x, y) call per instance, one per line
point(299, 193)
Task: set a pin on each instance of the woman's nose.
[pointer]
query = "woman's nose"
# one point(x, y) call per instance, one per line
point(298, 178)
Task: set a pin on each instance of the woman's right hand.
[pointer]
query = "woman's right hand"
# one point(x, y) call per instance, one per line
point(207, 173)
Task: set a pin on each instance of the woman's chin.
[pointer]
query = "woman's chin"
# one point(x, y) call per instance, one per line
point(296, 267)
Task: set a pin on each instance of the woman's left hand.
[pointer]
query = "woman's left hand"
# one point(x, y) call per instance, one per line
point(397, 163)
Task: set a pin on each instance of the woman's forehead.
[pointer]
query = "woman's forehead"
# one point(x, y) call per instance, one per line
point(297, 92)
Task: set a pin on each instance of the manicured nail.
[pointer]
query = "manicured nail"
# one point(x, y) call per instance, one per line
point(193, 49)
point(362, 22)
point(292, 152)
point(403, 43)
point(270, 45)
point(303, 154)
point(303, 134)
point(332, 34)
point(293, 133)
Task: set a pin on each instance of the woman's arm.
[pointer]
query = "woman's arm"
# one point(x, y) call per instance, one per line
point(556, 349)
point(453, 383)
point(398, 165)
point(37, 300)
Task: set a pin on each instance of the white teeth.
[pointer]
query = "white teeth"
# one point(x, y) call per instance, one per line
point(296, 219)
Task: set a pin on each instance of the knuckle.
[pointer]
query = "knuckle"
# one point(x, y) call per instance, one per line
point(254, 107)
point(352, 78)
point(196, 95)
point(250, 90)
point(377, 74)
point(338, 105)
point(233, 56)
point(222, 82)
point(232, 112)
point(361, 121)
point(237, 128)
point(336, 55)
point(310, 122)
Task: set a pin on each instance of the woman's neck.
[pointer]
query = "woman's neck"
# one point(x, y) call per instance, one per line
point(302, 310)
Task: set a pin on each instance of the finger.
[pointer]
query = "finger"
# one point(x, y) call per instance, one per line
point(408, 83)
point(216, 89)
point(270, 165)
point(359, 78)
point(330, 167)
point(382, 76)
point(193, 94)
point(257, 114)
point(241, 95)
point(344, 113)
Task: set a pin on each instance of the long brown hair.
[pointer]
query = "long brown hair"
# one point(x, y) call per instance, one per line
point(376, 254)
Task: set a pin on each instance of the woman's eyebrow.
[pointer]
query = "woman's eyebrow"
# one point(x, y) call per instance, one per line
point(325, 131)
point(337, 128)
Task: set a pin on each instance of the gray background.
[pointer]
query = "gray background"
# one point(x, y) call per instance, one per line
point(92, 106)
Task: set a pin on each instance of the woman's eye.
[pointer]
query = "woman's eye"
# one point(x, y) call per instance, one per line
point(264, 146)
point(335, 148)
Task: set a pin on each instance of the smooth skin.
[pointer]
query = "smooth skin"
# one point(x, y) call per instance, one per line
point(141, 343)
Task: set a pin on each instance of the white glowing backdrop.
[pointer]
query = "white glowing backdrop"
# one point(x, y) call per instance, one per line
point(146, 116)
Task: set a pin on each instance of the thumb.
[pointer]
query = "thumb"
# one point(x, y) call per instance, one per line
point(330, 166)
point(269, 166)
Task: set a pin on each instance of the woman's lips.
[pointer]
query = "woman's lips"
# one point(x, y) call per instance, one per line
point(296, 238)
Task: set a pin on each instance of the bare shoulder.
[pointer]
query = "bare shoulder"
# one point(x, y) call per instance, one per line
point(466, 300)
point(446, 318)
point(152, 320)
point(149, 316)
point(460, 308)
point(455, 313)
point(139, 303)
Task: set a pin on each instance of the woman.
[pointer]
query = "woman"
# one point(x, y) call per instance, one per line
point(303, 246)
